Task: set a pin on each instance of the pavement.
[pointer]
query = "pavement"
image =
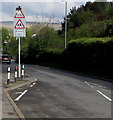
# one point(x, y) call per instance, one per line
point(7, 109)
point(8, 106)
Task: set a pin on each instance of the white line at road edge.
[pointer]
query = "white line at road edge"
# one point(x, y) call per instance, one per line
point(88, 84)
point(104, 96)
point(18, 98)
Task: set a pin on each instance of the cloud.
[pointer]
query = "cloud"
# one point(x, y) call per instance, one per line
point(39, 8)
point(30, 0)
point(44, 19)
point(44, 9)
point(0, 10)
point(34, 7)
point(6, 17)
point(50, 0)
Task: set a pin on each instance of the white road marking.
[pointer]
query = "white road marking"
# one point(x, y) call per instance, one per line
point(104, 95)
point(94, 84)
point(18, 98)
point(102, 87)
point(36, 80)
point(97, 85)
point(88, 84)
point(18, 92)
point(32, 85)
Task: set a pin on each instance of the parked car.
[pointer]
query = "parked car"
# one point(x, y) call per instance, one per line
point(6, 58)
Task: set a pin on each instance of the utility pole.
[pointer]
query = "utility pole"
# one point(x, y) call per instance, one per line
point(65, 24)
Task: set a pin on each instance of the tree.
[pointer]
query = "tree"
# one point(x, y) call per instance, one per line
point(50, 38)
point(5, 39)
point(12, 47)
point(5, 35)
point(85, 20)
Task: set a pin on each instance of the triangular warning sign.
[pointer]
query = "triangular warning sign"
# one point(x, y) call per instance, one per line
point(19, 14)
point(19, 25)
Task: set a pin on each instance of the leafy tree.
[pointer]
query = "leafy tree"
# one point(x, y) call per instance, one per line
point(37, 40)
point(5, 35)
point(89, 20)
point(109, 29)
point(12, 47)
point(5, 38)
point(50, 38)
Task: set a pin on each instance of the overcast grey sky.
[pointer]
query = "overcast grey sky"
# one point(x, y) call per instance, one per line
point(39, 11)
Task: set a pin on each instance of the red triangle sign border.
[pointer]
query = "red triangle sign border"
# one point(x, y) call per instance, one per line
point(22, 25)
point(23, 16)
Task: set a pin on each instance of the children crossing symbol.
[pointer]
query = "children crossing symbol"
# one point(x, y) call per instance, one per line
point(19, 25)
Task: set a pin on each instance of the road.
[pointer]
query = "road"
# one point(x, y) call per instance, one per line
point(61, 94)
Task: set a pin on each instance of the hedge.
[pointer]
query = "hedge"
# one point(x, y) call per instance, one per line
point(50, 55)
point(87, 55)
point(92, 55)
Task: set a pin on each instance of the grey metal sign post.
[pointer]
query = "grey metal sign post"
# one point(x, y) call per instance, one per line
point(19, 31)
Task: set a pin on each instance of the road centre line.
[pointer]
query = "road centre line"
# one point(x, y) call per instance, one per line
point(104, 95)
point(100, 92)
point(102, 87)
point(18, 98)
point(97, 85)
point(88, 84)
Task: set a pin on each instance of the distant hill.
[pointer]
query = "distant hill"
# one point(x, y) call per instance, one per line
point(9, 24)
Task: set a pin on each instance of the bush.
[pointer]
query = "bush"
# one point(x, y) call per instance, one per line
point(92, 29)
point(51, 56)
point(86, 55)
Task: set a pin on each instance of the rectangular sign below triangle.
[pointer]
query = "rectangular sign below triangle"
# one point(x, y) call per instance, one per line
point(19, 33)
point(19, 25)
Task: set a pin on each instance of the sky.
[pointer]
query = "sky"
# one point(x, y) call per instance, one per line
point(38, 10)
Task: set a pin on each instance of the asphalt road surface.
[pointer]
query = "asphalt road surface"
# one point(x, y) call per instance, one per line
point(61, 94)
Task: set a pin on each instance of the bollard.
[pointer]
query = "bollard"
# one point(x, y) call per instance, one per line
point(16, 73)
point(8, 75)
point(23, 72)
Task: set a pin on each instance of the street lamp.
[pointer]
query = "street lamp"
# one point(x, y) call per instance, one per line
point(65, 24)
point(65, 42)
